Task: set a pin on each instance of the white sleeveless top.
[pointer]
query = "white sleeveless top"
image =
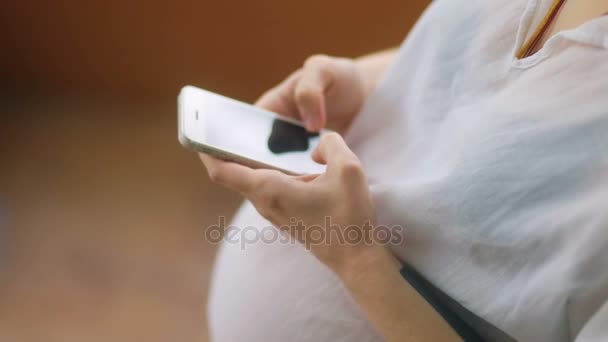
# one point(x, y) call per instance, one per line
point(498, 169)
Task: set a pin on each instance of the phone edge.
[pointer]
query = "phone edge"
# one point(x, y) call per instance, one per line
point(214, 151)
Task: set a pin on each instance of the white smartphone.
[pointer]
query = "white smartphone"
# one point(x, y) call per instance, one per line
point(235, 131)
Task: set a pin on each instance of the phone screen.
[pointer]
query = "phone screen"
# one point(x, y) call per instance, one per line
point(240, 129)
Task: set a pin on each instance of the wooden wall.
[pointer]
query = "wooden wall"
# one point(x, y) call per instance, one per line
point(148, 49)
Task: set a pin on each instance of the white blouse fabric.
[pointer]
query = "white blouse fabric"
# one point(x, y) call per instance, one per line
point(496, 167)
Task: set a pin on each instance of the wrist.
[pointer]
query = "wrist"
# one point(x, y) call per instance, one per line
point(368, 259)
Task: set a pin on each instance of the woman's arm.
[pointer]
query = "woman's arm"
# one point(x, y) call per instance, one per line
point(396, 309)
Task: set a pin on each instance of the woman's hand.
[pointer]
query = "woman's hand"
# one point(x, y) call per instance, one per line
point(367, 269)
point(330, 92)
point(297, 203)
point(327, 91)
point(323, 85)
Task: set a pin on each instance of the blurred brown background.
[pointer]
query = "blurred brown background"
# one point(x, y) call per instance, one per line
point(102, 213)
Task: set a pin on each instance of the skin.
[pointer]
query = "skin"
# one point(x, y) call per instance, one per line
point(573, 14)
point(328, 92)
point(577, 12)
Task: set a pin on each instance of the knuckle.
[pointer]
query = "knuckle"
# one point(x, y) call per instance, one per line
point(321, 65)
point(331, 137)
point(268, 202)
point(214, 174)
point(272, 201)
point(269, 194)
point(352, 169)
point(305, 93)
point(327, 75)
point(318, 60)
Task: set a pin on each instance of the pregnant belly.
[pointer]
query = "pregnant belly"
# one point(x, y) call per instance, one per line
point(272, 291)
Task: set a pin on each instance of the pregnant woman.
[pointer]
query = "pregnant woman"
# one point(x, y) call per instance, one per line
point(486, 138)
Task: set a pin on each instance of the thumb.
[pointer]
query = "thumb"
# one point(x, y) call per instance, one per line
point(333, 152)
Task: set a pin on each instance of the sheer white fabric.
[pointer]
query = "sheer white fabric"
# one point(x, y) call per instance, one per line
point(498, 168)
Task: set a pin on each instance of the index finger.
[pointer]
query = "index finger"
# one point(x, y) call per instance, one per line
point(280, 100)
point(240, 178)
point(231, 175)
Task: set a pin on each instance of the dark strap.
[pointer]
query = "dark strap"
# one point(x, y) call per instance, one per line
point(466, 324)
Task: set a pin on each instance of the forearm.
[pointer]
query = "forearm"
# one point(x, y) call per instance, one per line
point(374, 65)
point(396, 309)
